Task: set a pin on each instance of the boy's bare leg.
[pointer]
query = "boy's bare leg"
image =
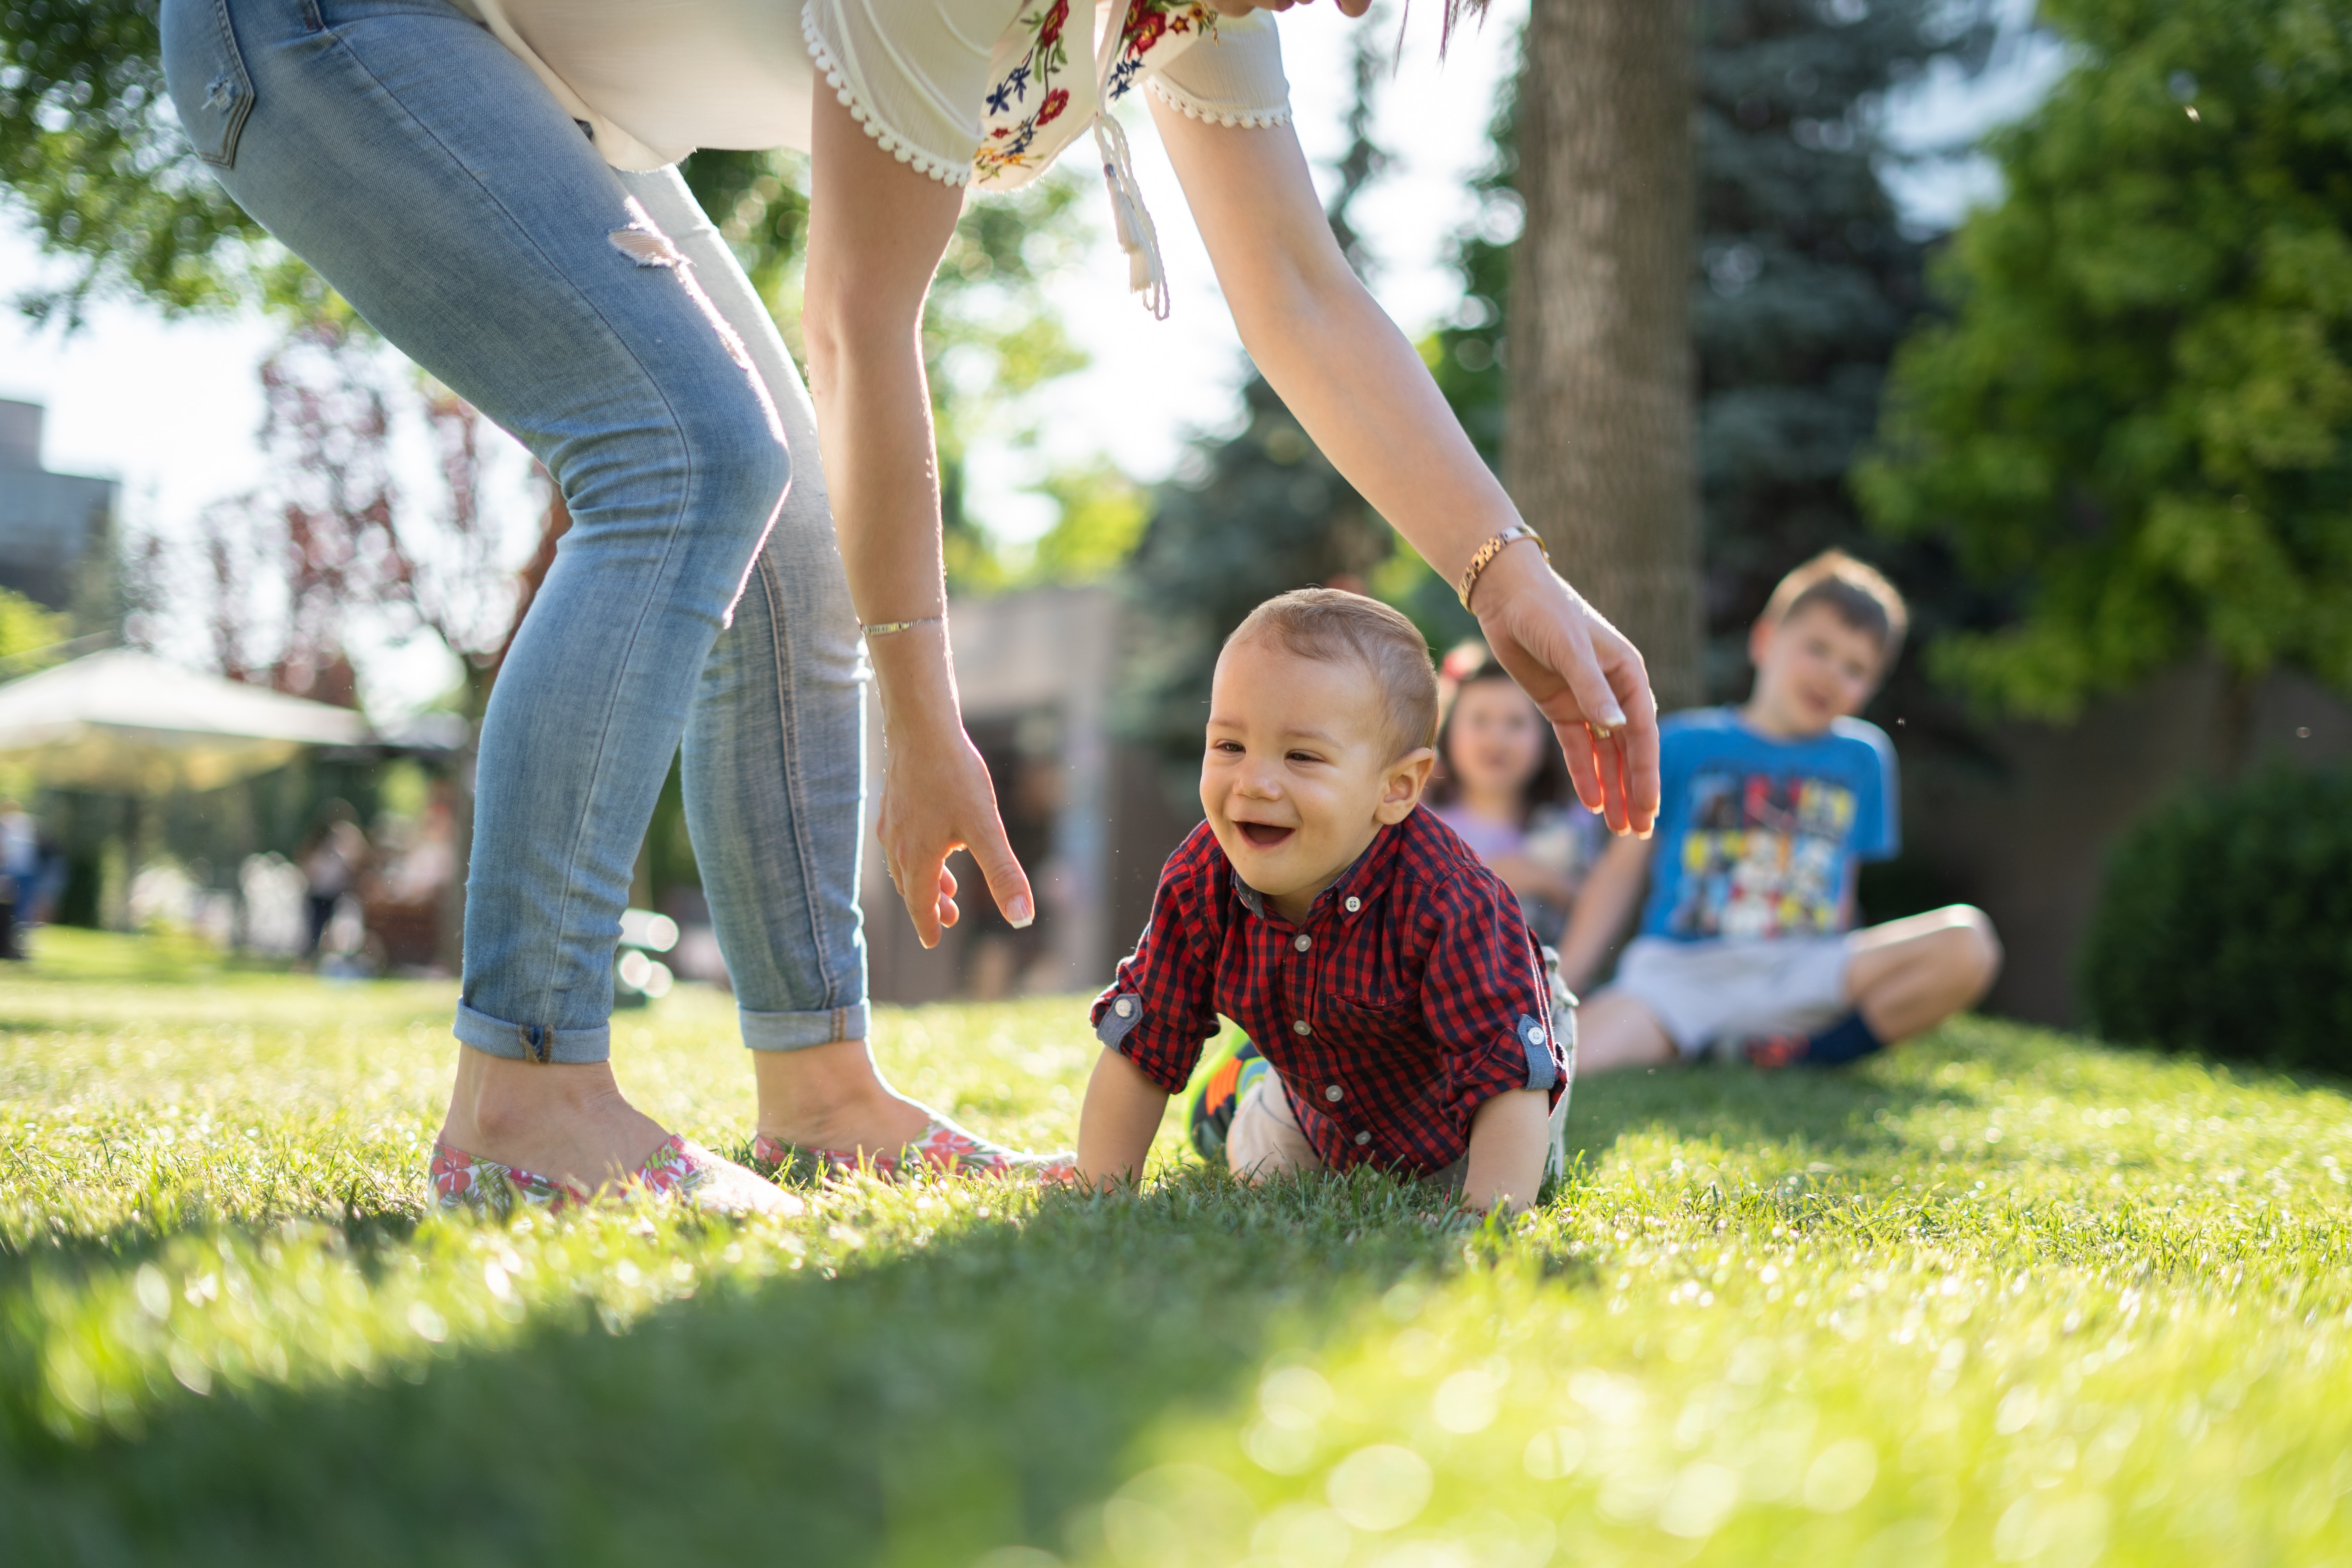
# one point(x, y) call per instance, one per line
point(1909, 975)
point(1614, 1031)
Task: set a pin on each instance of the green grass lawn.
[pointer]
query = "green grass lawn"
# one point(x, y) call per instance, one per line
point(2007, 1297)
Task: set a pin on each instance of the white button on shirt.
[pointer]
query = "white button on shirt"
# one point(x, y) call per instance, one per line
point(1124, 1006)
point(1362, 1139)
point(1302, 1027)
point(1302, 942)
point(1354, 903)
point(1335, 1093)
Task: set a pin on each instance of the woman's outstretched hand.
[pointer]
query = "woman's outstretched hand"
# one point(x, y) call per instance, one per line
point(937, 799)
point(1588, 680)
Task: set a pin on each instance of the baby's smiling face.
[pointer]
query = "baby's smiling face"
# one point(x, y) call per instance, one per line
point(1301, 769)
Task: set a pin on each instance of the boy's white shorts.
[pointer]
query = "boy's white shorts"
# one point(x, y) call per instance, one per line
point(1706, 991)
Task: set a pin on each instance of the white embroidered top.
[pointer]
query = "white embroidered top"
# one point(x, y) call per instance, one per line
point(980, 91)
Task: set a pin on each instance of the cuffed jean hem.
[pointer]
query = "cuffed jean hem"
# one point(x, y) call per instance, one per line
point(799, 1031)
point(533, 1042)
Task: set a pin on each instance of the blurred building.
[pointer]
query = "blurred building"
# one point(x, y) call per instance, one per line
point(1086, 811)
point(52, 525)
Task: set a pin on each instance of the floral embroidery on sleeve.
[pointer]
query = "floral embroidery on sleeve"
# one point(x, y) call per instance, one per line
point(1038, 104)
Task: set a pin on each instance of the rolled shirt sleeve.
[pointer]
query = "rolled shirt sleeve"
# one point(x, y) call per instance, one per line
point(1160, 1005)
point(1486, 1002)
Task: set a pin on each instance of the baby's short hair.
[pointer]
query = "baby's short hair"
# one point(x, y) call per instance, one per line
point(1331, 624)
point(1858, 595)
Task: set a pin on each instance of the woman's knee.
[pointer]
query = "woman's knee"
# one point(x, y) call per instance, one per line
point(708, 456)
point(735, 449)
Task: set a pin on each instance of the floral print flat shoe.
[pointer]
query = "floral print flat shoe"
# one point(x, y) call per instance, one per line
point(943, 1147)
point(677, 1168)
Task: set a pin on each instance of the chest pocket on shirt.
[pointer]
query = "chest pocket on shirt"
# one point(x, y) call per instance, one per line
point(1395, 1025)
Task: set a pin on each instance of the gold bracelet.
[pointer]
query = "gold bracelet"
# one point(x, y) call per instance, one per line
point(1487, 553)
point(889, 628)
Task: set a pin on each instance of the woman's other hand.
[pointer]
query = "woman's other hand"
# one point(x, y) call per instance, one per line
point(877, 229)
point(937, 798)
point(1588, 680)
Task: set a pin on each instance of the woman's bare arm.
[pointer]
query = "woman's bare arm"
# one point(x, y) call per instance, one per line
point(876, 230)
point(1362, 391)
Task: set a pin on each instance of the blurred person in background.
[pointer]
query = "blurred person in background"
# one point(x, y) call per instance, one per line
point(20, 873)
point(331, 859)
point(1503, 785)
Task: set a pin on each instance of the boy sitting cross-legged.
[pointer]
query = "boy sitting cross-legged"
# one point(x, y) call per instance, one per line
point(1386, 976)
point(1767, 811)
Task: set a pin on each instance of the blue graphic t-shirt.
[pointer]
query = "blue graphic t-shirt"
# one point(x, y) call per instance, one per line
point(1759, 838)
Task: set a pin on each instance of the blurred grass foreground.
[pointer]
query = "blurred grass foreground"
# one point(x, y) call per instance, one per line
point(2005, 1297)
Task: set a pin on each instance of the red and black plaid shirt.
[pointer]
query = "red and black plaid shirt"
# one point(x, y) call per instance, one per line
point(1410, 996)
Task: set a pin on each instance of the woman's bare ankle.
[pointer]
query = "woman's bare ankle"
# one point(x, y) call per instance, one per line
point(832, 1097)
point(569, 1121)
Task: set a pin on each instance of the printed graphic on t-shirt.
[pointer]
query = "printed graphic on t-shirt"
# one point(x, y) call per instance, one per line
point(1763, 857)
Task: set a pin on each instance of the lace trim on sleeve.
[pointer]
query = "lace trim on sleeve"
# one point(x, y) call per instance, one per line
point(1260, 120)
point(945, 172)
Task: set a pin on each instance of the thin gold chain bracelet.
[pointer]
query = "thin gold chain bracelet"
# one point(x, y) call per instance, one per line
point(890, 628)
point(1487, 553)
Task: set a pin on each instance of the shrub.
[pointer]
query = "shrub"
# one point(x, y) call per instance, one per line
point(2225, 924)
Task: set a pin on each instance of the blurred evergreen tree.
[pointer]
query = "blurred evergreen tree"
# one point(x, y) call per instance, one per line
point(1804, 283)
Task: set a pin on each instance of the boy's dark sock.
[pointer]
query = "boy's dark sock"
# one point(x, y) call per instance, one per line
point(1848, 1040)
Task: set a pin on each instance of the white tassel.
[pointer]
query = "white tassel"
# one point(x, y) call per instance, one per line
point(1146, 274)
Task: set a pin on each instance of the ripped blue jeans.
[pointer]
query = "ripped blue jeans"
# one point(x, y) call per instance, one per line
point(398, 148)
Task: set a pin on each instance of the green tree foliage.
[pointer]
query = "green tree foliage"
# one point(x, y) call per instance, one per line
point(1103, 517)
point(1804, 283)
point(2137, 423)
point(25, 628)
point(90, 151)
point(2225, 925)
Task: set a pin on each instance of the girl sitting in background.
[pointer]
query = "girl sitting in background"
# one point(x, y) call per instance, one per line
point(1502, 785)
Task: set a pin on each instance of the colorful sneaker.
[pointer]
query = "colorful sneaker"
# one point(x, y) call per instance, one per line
point(1217, 1094)
point(677, 1168)
point(943, 1147)
point(463, 1181)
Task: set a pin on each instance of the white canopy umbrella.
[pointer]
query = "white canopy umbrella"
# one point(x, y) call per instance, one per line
point(129, 723)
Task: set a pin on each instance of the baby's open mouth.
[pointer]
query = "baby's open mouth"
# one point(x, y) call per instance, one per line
point(1264, 835)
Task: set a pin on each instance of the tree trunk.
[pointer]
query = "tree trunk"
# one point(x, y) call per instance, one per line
point(1598, 442)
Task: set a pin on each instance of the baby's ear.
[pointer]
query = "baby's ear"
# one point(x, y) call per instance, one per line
point(1406, 778)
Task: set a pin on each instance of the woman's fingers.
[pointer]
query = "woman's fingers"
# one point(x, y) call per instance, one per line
point(1636, 738)
point(1007, 883)
point(1588, 680)
point(938, 799)
point(920, 893)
